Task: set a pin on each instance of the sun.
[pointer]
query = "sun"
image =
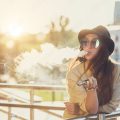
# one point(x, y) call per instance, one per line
point(15, 30)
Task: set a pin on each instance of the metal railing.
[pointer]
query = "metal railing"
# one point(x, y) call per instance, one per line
point(99, 116)
point(31, 105)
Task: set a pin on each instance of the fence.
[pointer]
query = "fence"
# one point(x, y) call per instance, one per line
point(45, 108)
point(31, 104)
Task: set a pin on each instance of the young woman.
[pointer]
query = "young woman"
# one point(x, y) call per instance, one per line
point(93, 81)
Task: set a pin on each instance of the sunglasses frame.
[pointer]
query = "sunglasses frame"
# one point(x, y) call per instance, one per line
point(84, 42)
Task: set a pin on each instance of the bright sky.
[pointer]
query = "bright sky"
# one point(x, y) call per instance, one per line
point(35, 15)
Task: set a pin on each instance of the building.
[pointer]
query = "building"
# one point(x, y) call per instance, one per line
point(115, 35)
point(115, 31)
point(117, 13)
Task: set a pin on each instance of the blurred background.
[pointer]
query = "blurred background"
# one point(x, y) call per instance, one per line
point(38, 37)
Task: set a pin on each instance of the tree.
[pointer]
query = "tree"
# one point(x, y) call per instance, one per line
point(64, 37)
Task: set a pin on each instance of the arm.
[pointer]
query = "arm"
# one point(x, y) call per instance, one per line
point(91, 99)
point(76, 94)
point(115, 101)
point(88, 101)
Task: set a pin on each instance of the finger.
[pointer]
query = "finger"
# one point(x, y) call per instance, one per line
point(94, 81)
point(70, 109)
point(90, 83)
point(69, 105)
point(70, 112)
point(87, 84)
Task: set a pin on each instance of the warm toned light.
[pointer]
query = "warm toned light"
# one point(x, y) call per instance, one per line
point(10, 44)
point(15, 30)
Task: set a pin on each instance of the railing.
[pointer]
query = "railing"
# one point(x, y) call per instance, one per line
point(46, 108)
point(32, 105)
point(99, 116)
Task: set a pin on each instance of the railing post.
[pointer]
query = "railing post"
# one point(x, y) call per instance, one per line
point(101, 116)
point(53, 95)
point(9, 112)
point(31, 102)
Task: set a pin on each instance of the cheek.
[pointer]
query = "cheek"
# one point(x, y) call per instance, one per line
point(91, 56)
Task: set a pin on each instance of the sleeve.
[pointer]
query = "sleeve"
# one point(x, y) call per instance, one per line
point(83, 107)
point(76, 93)
point(115, 101)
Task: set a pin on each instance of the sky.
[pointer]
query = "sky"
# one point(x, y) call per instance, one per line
point(35, 16)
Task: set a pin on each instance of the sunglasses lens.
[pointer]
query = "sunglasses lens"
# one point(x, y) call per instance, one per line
point(94, 43)
point(83, 43)
point(97, 43)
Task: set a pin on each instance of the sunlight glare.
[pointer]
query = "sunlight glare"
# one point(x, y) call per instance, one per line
point(15, 30)
point(10, 44)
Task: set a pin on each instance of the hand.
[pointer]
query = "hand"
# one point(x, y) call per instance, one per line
point(91, 83)
point(72, 108)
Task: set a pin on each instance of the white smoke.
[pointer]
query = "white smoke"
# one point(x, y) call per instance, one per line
point(45, 65)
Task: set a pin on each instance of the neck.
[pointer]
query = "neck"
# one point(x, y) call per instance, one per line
point(87, 63)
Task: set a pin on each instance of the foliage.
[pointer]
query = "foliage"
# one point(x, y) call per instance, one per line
point(64, 37)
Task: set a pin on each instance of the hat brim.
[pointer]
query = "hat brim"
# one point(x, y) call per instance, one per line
point(84, 32)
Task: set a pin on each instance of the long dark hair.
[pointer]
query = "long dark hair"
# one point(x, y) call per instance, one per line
point(102, 69)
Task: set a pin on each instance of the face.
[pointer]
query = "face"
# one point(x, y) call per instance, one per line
point(91, 44)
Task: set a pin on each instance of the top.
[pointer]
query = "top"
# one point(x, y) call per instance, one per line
point(77, 94)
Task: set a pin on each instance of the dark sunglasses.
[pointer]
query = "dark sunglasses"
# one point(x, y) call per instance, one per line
point(95, 43)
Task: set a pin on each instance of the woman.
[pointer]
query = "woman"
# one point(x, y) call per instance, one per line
point(93, 81)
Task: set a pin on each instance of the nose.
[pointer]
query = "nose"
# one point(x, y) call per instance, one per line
point(89, 45)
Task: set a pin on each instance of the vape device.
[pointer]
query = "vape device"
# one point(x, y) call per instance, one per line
point(82, 82)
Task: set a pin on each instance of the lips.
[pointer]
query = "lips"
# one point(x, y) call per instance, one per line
point(91, 52)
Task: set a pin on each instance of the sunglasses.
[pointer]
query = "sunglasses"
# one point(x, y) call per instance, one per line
point(95, 43)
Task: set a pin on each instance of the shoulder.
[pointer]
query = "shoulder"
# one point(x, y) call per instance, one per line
point(116, 72)
point(116, 66)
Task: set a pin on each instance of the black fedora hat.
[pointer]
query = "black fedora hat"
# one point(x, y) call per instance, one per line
point(102, 32)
